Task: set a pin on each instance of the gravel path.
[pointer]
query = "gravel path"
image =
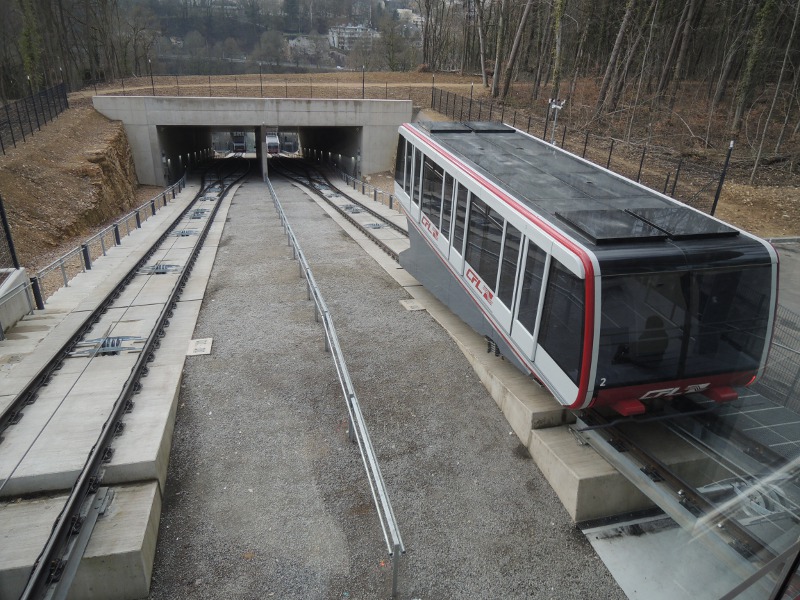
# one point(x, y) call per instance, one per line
point(266, 497)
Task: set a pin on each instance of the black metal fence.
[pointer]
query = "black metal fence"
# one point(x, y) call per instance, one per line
point(21, 118)
point(8, 258)
point(653, 166)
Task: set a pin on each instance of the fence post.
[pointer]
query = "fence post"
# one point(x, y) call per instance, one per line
point(19, 118)
point(117, 239)
point(480, 109)
point(503, 114)
point(10, 127)
point(138, 220)
point(2, 145)
point(722, 179)
point(564, 136)
point(514, 122)
point(610, 150)
point(641, 163)
point(546, 122)
point(585, 143)
point(153, 206)
point(7, 230)
point(666, 183)
point(529, 124)
point(677, 172)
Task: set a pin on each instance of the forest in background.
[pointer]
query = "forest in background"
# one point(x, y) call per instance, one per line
point(737, 59)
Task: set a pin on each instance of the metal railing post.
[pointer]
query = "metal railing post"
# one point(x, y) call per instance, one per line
point(117, 239)
point(87, 259)
point(138, 220)
point(37, 293)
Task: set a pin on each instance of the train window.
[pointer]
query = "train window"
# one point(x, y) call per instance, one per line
point(447, 204)
point(417, 186)
point(400, 162)
point(409, 159)
point(531, 286)
point(432, 181)
point(561, 332)
point(483, 241)
point(462, 195)
point(508, 266)
point(729, 322)
point(641, 328)
point(668, 326)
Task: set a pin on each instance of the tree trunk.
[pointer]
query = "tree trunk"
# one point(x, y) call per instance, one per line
point(558, 13)
point(753, 60)
point(512, 57)
point(479, 8)
point(612, 61)
point(663, 81)
point(677, 74)
point(498, 48)
point(777, 90)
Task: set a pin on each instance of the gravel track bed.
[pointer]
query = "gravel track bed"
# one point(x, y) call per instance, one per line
point(266, 497)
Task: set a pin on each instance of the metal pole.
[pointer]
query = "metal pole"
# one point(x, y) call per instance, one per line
point(610, 150)
point(177, 85)
point(19, 118)
point(546, 122)
point(362, 81)
point(722, 179)
point(529, 124)
point(7, 230)
point(37, 293)
point(152, 83)
point(433, 86)
point(471, 89)
point(641, 163)
point(28, 112)
point(677, 172)
point(209, 86)
point(260, 81)
point(87, 259)
point(666, 183)
point(10, 127)
point(35, 110)
point(585, 143)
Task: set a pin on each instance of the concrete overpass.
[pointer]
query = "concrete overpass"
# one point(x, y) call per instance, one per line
point(168, 133)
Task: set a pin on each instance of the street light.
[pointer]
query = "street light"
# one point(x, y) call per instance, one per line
point(362, 81)
point(555, 105)
point(152, 85)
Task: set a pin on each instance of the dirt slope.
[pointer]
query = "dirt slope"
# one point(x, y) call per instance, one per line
point(74, 175)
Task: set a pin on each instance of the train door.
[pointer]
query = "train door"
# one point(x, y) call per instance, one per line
point(535, 261)
point(460, 206)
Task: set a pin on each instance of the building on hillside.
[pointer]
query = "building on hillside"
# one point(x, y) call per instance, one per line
point(344, 37)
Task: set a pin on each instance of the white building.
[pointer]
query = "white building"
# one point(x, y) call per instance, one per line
point(344, 37)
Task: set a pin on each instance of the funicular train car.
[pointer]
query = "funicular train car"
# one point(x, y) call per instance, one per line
point(273, 143)
point(608, 293)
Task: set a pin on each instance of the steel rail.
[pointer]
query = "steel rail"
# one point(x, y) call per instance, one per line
point(357, 426)
point(339, 192)
point(47, 567)
point(377, 241)
point(670, 492)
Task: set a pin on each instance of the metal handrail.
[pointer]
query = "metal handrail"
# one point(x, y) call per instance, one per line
point(114, 227)
point(357, 426)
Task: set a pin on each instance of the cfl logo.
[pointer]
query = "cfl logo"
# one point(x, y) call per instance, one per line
point(473, 278)
point(426, 223)
point(674, 391)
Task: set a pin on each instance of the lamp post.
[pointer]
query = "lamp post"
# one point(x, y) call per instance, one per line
point(555, 105)
point(362, 81)
point(152, 84)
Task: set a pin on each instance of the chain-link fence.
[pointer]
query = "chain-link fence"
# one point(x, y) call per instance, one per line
point(656, 167)
point(21, 118)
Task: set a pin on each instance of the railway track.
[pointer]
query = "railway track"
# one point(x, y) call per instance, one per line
point(112, 349)
point(722, 495)
point(347, 206)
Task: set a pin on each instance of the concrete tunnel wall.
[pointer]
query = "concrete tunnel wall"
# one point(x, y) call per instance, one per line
point(150, 120)
point(181, 148)
point(344, 143)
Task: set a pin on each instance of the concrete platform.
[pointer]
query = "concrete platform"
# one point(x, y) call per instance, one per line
point(118, 561)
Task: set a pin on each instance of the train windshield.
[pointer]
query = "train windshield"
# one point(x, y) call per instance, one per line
point(668, 326)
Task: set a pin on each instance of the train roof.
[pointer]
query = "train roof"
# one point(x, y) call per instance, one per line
point(605, 211)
